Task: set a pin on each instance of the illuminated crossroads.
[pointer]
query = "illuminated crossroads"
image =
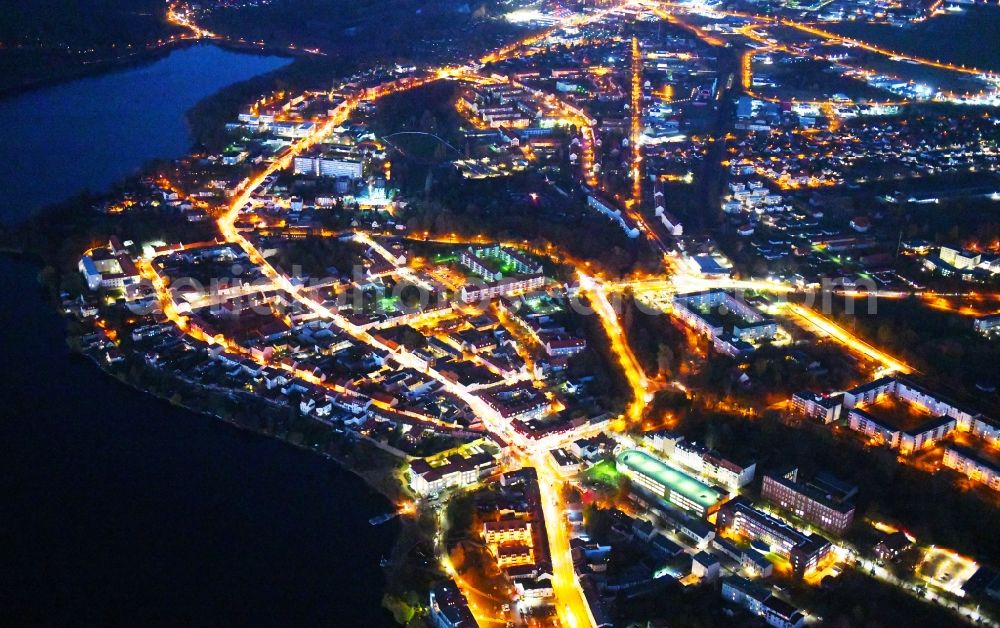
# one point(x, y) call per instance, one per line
point(570, 605)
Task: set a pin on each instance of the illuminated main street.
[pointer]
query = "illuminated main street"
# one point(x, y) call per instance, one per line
point(596, 293)
point(764, 43)
point(571, 606)
point(635, 126)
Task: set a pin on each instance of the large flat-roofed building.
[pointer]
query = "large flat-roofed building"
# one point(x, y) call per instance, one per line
point(732, 325)
point(429, 477)
point(663, 480)
point(958, 258)
point(823, 504)
point(349, 166)
point(976, 466)
point(905, 440)
point(866, 415)
point(705, 463)
point(805, 551)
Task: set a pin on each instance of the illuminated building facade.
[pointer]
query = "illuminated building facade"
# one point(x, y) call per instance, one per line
point(507, 531)
point(975, 466)
point(737, 517)
point(507, 286)
point(666, 482)
point(820, 407)
point(705, 312)
point(809, 501)
point(430, 478)
point(949, 415)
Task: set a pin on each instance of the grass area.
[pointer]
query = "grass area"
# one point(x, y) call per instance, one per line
point(445, 259)
point(605, 472)
point(388, 304)
point(543, 305)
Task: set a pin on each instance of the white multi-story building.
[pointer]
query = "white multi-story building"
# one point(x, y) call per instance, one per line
point(825, 408)
point(506, 286)
point(101, 269)
point(328, 166)
point(609, 209)
point(673, 225)
point(987, 325)
point(711, 466)
point(455, 471)
point(904, 389)
point(507, 531)
point(906, 441)
point(975, 466)
point(753, 327)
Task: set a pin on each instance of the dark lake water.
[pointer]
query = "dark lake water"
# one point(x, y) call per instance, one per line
point(117, 509)
point(90, 133)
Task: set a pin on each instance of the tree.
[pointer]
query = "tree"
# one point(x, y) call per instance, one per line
point(886, 335)
point(461, 509)
point(401, 611)
point(624, 489)
point(665, 360)
point(427, 122)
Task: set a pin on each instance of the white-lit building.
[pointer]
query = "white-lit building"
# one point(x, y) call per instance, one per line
point(609, 209)
point(454, 471)
point(987, 325)
point(328, 166)
point(973, 465)
point(712, 466)
point(906, 441)
point(471, 293)
point(904, 389)
point(102, 268)
point(705, 566)
point(825, 408)
point(698, 311)
point(507, 531)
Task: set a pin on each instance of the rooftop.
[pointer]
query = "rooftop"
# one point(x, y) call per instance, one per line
point(698, 492)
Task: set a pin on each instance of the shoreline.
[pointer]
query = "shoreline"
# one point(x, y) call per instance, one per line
point(137, 59)
point(369, 479)
point(379, 476)
point(378, 480)
point(242, 66)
